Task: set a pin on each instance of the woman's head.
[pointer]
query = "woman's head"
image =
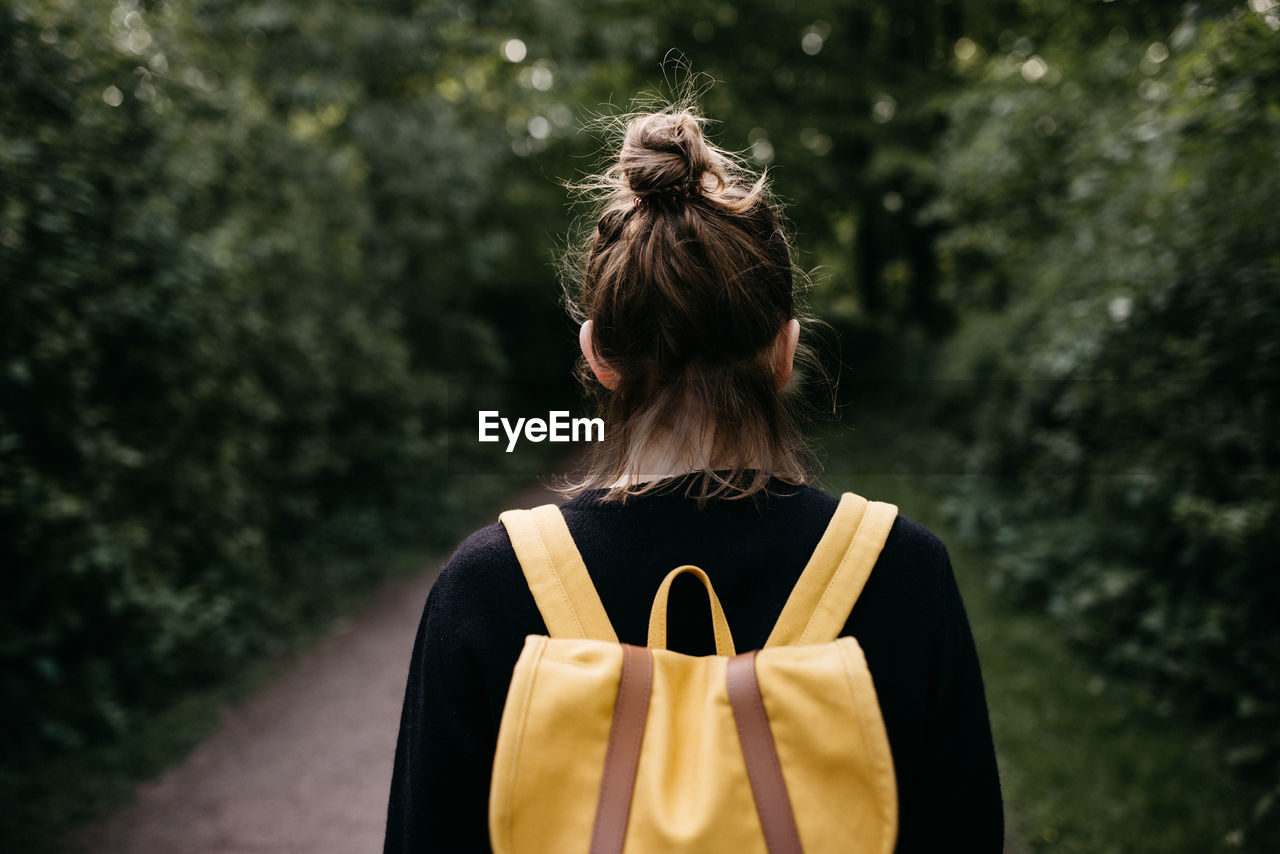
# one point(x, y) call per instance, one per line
point(687, 298)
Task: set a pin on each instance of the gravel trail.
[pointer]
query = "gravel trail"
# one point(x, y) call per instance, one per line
point(303, 764)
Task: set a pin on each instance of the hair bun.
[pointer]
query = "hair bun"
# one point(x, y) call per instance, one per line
point(665, 154)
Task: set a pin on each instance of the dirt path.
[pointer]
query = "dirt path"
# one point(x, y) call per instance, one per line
point(303, 765)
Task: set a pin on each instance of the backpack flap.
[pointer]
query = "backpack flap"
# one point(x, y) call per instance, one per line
point(568, 776)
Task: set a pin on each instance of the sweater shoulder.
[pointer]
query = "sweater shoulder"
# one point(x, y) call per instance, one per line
point(913, 571)
point(912, 541)
point(482, 570)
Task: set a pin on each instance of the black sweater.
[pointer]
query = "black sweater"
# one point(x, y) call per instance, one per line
point(909, 620)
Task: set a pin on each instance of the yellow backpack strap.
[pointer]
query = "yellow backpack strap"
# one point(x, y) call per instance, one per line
point(823, 598)
point(557, 577)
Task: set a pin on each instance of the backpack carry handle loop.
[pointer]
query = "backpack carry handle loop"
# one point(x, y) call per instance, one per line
point(658, 616)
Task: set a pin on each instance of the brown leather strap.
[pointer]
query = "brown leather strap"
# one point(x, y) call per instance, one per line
point(623, 753)
point(763, 768)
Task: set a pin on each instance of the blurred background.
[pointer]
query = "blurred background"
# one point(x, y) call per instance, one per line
point(247, 248)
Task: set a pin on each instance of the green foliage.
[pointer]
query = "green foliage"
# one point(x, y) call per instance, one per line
point(1110, 233)
point(1090, 763)
point(236, 283)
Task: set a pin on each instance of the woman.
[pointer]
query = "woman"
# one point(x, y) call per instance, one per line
point(687, 303)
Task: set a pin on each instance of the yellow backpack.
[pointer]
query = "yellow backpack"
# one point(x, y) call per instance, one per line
point(607, 748)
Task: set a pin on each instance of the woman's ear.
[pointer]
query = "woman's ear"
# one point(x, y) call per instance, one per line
point(605, 374)
point(785, 352)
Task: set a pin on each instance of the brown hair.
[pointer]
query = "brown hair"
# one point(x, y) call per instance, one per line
point(687, 277)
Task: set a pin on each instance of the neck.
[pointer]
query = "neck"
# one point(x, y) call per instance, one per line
point(663, 453)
